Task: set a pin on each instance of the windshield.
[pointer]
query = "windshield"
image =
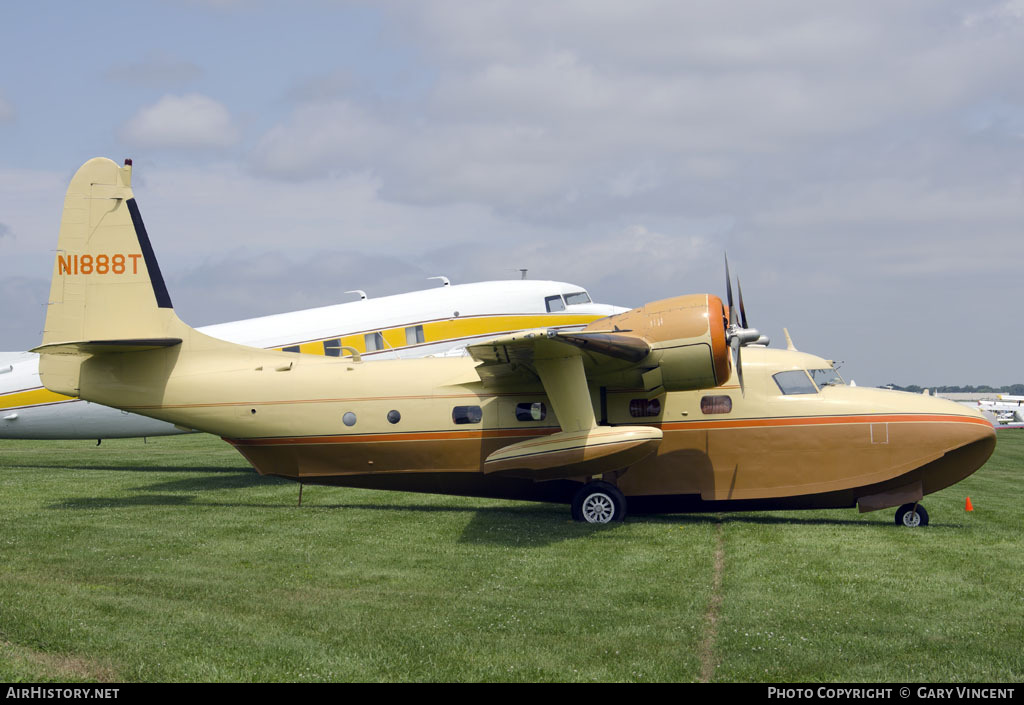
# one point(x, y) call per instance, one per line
point(794, 382)
point(579, 297)
point(825, 377)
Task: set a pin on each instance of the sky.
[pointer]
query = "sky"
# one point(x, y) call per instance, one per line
point(862, 164)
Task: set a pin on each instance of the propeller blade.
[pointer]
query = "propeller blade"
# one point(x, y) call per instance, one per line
point(743, 311)
point(728, 291)
point(739, 370)
point(736, 346)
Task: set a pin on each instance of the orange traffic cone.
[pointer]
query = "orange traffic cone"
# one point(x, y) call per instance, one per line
point(969, 507)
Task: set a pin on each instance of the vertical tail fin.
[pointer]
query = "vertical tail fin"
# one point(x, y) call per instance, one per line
point(106, 282)
point(107, 293)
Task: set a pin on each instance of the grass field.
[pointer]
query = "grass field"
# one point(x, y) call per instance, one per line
point(173, 561)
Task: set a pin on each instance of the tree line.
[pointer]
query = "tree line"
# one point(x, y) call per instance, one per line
point(1017, 389)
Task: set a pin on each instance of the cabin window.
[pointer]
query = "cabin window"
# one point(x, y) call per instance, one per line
point(349, 419)
point(531, 411)
point(825, 377)
point(394, 416)
point(467, 414)
point(795, 382)
point(414, 335)
point(332, 348)
point(374, 341)
point(640, 408)
point(290, 348)
point(717, 404)
point(577, 297)
point(554, 303)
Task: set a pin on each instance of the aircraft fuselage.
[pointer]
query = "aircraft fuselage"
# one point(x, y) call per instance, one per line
point(428, 426)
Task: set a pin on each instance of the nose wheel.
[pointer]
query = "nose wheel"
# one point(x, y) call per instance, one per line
point(599, 503)
point(911, 516)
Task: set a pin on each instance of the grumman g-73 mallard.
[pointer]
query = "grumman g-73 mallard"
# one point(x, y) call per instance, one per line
point(669, 407)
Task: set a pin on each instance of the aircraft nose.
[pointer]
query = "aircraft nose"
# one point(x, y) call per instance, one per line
point(966, 440)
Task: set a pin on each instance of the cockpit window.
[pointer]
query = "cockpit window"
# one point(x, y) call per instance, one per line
point(825, 377)
point(795, 382)
point(554, 303)
point(577, 297)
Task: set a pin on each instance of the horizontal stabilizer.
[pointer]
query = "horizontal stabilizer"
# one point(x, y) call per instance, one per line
point(575, 453)
point(107, 346)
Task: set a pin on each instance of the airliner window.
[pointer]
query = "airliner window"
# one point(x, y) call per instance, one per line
point(531, 411)
point(467, 414)
point(795, 382)
point(554, 303)
point(578, 297)
point(639, 408)
point(414, 335)
point(332, 348)
point(825, 377)
point(374, 341)
point(718, 404)
point(291, 348)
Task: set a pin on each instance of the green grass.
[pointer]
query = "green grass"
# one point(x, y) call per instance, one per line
point(173, 561)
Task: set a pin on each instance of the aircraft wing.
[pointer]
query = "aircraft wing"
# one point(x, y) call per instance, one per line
point(673, 344)
point(518, 354)
point(564, 362)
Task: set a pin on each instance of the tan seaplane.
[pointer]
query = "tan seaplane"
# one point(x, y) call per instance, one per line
point(653, 406)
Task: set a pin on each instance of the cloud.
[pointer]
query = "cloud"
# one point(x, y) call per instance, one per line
point(321, 138)
point(189, 121)
point(545, 112)
point(1008, 12)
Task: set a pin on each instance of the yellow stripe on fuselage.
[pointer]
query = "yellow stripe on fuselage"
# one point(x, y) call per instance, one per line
point(31, 397)
point(450, 330)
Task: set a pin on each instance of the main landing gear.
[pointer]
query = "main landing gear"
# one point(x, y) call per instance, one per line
point(599, 503)
point(911, 515)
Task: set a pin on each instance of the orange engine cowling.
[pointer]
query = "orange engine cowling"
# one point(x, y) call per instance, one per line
point(686, 335)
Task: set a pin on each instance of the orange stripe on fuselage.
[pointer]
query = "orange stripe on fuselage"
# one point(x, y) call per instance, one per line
point(673, 426)
point(817, 420)
point(410, 436)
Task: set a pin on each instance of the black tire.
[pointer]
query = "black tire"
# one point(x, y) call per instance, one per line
point(599, 503)
point(911, 516)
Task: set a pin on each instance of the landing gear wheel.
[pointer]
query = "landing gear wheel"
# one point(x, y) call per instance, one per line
point(911, 515)
point(599, 503)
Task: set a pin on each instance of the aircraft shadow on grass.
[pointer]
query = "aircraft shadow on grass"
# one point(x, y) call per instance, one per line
point(518, 524)
point(141, 468)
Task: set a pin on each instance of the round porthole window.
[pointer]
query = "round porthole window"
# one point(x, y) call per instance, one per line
point(349, 418)
point(394, 416)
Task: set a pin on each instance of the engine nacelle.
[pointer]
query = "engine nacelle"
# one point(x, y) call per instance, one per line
point(687, 339)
